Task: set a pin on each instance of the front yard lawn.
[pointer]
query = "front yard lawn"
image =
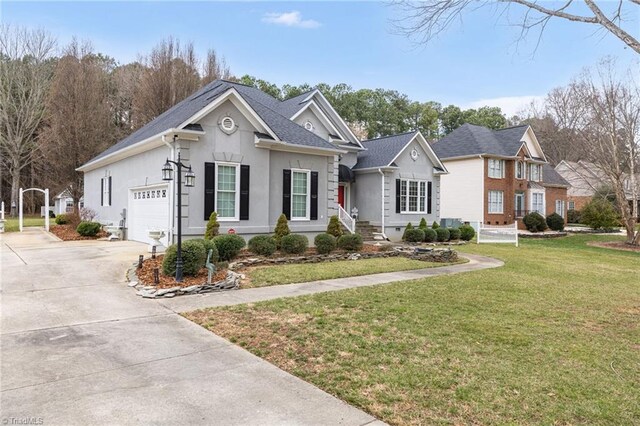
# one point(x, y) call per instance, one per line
point(285, 274)
point(11, 223)
point(550, 338)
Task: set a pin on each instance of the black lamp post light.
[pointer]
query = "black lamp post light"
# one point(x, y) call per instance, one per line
point(189, 181)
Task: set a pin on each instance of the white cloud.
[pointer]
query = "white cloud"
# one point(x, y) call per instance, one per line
point(510, 105)
point(290, 19)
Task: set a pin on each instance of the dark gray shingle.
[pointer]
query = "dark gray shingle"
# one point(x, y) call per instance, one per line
point(470, 139)
point(381, 151)
point(551, 177)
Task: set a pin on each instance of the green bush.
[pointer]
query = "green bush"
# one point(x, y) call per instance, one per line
point(294, 244)
point(212, 226)
point(600, 214)
point(454, 233)
point(208, 245)
point(409, 227)
point(430, 235)
point(534, 222)
point(442, 234)
point(88, 229)
point(414, 235)
point(228, 246)
point(264, 245)
point(62, 219)
point(574, 216)
point(194, 257)
point(350, 242)
point(335, 227)
point(282, 229)
point(325, 243)
point(467, 232)
point(423, 224)
point(435, 225)
point(555, 222)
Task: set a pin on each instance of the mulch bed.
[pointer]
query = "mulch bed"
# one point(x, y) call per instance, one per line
point(616, 245)
point(246, 254)
point(69, 233)
point(145, 275)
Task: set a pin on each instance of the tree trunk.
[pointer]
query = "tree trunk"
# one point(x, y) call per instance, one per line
point(15, 190)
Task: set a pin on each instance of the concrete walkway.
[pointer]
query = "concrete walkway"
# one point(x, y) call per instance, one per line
point(79, 347)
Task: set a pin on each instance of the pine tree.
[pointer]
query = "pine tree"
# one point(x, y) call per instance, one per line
point(334, 227)
point(212, 226)
point(435, 225)
point(282, 229)
point(423, 224)
point(409, 227)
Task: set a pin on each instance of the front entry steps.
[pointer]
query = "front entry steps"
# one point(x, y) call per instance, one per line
point(368, 231)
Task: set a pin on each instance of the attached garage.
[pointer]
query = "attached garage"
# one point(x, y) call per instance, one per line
point(148, 210)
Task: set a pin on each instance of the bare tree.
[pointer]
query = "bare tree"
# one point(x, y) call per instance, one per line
point(214, 68)
point(79, 124)
point(426, 19)
point(25, 74)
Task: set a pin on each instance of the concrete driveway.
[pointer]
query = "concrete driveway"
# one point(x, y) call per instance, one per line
point(78, 347)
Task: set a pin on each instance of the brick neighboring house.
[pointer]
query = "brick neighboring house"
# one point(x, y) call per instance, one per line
point(497, 176)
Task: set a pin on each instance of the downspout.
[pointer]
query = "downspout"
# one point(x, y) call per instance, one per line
point(172, 193)
point(382, 205)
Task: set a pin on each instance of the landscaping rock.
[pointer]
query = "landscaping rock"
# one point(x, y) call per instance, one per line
point(133, 283)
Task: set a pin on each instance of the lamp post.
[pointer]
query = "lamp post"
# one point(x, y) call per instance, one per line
point(190, 180)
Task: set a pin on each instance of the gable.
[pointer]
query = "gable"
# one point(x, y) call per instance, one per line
point(531, 142)
point(321, 126)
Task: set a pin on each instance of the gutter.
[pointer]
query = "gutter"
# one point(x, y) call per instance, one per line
point(382, 211)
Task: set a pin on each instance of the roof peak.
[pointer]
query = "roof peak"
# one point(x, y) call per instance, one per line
point(390, 136)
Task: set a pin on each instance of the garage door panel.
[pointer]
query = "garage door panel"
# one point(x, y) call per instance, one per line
point(148, 209)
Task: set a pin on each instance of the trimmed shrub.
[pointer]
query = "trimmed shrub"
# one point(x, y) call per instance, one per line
point(574, 216)
point(435, 225)
point(213, 227)
point(294, 244)
point(454, 233)
point(467, 232)
point(88, 229)
point(62, 219)
point(264, 245)
point(325, 243)
point(423, 224)
point(194, 257)
point(350, 242)
point(208, 245)
point(408, 228)
point(282, 229)
point(335, 227)
point(534, 222)
point(229, 246)
point(555, 222)
point(430, 235)
point(600, 214)
point(442, 234)
point(414, 235)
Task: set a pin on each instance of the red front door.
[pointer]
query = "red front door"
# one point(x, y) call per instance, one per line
point(341, 196)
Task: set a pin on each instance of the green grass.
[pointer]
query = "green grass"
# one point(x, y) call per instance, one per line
point(286, 274)
point(550, 338)
point(11, 223)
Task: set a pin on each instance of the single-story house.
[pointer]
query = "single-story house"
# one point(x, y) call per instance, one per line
point(63, 203)
point(256, 157)
point(497, 176)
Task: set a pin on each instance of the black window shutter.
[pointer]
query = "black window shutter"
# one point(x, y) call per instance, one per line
point(286, 193)
point(209, 189)
point(397, 195)
point(244, 192)
point(109, 190)
point(102, 192)
point(429, 190)
point(314, 196)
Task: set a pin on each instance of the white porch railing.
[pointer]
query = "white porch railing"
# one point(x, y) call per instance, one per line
point(346, 219)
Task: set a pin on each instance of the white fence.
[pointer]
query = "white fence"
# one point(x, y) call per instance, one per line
point(497, 233)
point(346, 219)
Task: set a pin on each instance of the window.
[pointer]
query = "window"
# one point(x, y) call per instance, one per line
point(413, 194)
point(535, 172)
point(560, 207)
point(106, 191)
point(69, 206)
point(572, 205)
point(496, 199)
point(227, 191)
point(537, 202)
point(300, 187)
point(496, 168)
point(520, 169)
point(520, 204)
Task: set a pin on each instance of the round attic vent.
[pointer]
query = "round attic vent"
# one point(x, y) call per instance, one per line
point(228, 125)
point(309, 126)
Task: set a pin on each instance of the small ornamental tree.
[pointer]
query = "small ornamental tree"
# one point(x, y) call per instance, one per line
point(435, 225)
point(423, 224)
point(408, 228)
point(600, 214)
point(282, 229)
point(334, 228)
point(212, 226)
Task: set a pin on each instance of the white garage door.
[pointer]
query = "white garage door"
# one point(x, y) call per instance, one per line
point(148, 209)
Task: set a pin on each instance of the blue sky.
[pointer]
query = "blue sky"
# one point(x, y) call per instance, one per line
point(473, 63)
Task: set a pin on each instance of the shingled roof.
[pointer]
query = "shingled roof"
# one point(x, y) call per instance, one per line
point(470, 139)
point(271, 110)
point(550, 177)
point(381, 151)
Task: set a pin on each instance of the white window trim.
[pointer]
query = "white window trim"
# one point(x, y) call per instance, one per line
point(562, 207)
point(544, 202)
point(571, 205)
point(236, 216)
point(489, 202)
point(502, 167)
point(426, 196)
point(105, 192)
point(539, 168)
point(523, 175)
point(308, 209)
